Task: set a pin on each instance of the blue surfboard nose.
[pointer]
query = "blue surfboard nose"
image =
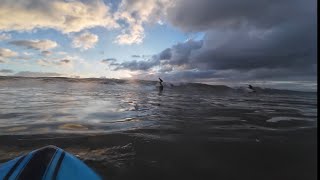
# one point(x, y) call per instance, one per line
point(49, 162)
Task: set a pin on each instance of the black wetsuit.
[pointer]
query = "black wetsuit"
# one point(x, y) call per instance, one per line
point(161, 86)
point(250, 87)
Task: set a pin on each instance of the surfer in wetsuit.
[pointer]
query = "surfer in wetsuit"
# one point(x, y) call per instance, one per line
point(161, 85)
point(250, 87)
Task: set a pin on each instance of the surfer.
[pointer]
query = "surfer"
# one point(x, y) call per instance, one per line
point(250, 87)
point(160, 82)
point(161, 85)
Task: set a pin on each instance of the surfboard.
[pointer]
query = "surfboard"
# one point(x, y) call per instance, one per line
point(46, 163)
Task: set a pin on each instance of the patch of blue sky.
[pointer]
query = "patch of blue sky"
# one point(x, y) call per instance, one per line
point(157, 38)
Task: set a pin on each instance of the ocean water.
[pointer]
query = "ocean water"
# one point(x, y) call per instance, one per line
point(122, 128)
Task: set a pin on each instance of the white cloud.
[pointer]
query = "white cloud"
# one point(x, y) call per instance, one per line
point(42, 45)
point(75, 16)
point(7, 53)
point(5, 36)
point(28, 53)
point(64, 16)
point(85, 40)
point(136, 14)
point(134, 35)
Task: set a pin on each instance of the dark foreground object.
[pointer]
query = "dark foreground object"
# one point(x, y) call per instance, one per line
point(49, 162)
point(128, 156)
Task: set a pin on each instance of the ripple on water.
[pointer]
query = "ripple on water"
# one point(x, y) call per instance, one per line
point(70, 126)
point(15, 129)
point(278, 119)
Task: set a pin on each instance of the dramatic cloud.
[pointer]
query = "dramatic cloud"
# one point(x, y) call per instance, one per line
point(177, 56)
point(202, 15)
point(65, 16)
point(4, 36)
point(42, 45)
point(138, 65)
point(6, 71)
point(244, 41)
point(37, 74)
point(279, 49)
point(137, 13)
point(85, 40)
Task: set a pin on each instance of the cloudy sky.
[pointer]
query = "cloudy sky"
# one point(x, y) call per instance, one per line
point(266, 42)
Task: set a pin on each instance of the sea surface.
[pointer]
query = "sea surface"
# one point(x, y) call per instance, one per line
point(128, 129)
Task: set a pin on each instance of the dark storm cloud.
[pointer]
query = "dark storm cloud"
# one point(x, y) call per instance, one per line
point(277, 49)
point(202, 15)
point(176, 55)
point(276, 56)
point(135, 65)
point(250, 34)
point(244, 40)
point(191, 74)
point(180, 53)
point(165, 54)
